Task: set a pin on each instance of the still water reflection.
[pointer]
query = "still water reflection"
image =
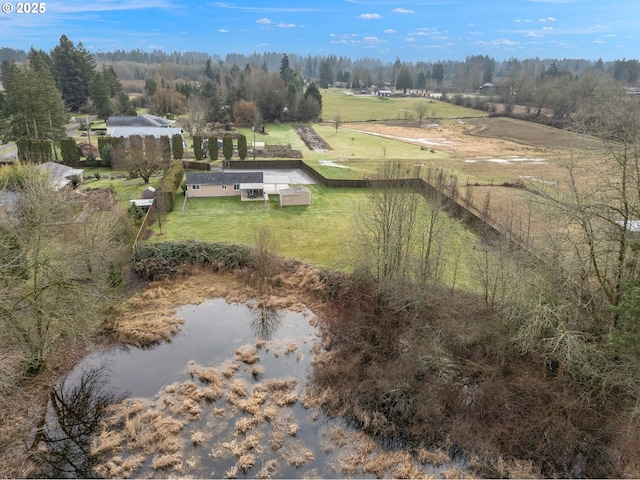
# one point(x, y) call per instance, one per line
point(226, 397)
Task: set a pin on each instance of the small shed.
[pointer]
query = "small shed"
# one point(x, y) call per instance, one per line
point(298, 195)
point(143, 203)
point(149, 192)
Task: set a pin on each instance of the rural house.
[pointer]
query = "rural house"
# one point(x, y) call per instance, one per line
point(246, 185)
point(142, 125)
point(298, 195)
point(62, 175)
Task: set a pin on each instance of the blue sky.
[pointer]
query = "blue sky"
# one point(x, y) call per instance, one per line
point(412, 30)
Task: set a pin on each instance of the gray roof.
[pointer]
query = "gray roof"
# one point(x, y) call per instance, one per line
point(156, 132)
point(61, 175)
point(294, 190)
point(219, 178)
point(145, 120)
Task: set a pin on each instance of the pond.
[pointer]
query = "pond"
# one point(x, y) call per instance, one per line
point(228, 397)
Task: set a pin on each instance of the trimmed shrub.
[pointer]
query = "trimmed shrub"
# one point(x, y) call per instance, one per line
point(177, 147)
point(69, 150)
point(227, 147)
point(213, 148)
point(242, 147)
point(197, 147)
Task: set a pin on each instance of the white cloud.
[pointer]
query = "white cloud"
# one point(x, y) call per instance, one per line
point(370, 16)
point(286, 25)
point(548, 19)
point(390, 30)
point(264, 21)
point(547, 28)
point(223, 30)
point(402, 10)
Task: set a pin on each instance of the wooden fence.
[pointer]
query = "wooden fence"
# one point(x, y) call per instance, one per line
point(437, 185)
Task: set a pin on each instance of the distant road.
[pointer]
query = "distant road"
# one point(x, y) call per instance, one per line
point(10, 153)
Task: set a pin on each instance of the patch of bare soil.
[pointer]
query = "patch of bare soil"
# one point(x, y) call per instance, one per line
point(310, 138)
point(451, 137)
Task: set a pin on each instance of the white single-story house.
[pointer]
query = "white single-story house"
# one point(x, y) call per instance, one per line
point(298, 195)
point(61, 175)
point(142, 125)
point(246, 185)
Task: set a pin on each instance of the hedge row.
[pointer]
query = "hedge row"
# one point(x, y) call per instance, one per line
point(170, 183)
point(36, 151)
point(156, 261)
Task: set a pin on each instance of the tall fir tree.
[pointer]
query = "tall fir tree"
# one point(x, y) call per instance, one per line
point(73, 67)
point(34, 104)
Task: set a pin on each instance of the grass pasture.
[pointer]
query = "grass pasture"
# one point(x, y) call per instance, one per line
point(368, 108)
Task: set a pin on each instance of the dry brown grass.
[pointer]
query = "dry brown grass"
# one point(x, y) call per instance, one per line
point(148, 329)
point(436, 457)
point(269, 469)
point(239, 387)
point(246, 462)
point(257, 371)
point(107, 442)
point(243, 425)
point(207, 375)
point(230, 369)
point(198, 438)
point(247, 354)
point(270, 413)
point(131, 464)
point(163, 462)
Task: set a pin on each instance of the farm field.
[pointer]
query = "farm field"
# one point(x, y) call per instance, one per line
point(369, 108)
point(486, 155)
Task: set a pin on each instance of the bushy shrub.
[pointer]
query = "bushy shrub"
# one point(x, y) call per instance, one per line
point(154, 261)
point(135, 212)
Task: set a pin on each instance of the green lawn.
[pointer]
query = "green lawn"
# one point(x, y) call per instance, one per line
point(124, 189)
point(318, 234)
point(353, 155)
point(356, 108)
point(322, 234)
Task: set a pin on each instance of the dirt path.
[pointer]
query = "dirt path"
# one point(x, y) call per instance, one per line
point(311, 139)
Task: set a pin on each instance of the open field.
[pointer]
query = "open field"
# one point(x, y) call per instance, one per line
point(484, 154)
point(366, 108)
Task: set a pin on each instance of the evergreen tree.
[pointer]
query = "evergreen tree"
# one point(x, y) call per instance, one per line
point(177, 146)
point(242, 147)
point(73, 67)
point(213, 149)
point(101, 95)
point(197, 147)
point(34, 104)
point(227, 147)
point(327, 76)
point(286, 73)
point(404, 81)
point(313, 92)
point(69, 149)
